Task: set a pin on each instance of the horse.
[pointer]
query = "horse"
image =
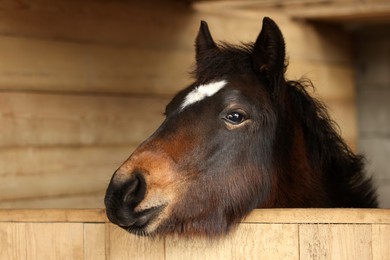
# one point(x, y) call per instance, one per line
point(240, 137)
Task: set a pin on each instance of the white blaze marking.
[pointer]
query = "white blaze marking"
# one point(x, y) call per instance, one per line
point(201, 92)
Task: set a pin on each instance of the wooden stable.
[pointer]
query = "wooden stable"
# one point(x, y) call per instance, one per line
point(82, 83)
point(265, 234)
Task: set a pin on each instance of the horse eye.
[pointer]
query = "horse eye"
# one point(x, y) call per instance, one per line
point(235, 118)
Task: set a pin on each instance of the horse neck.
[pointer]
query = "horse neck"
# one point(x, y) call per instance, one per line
point(296, 182)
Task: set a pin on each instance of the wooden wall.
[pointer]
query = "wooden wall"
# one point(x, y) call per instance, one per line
point(264, 234)
point(373, 72)
point(83, 82)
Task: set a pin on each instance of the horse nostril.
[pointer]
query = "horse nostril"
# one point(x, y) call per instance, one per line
point(135, 190)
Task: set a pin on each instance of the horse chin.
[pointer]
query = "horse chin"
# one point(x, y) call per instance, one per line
point(145, 222)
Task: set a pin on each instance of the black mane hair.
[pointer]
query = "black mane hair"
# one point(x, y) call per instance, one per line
point(343, 170)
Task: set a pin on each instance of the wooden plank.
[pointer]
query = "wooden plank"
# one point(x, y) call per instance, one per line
point(247, 242)
point(88, 66)
point(13, 241)
point(23, 167)
point(94, 241)
point(380, 242)
point(33, 64)
point(352, 11)
point(28, 161)
point(340, 216)
point(158, 25)
point(121, 245)
point(77, 119)
point(54, 240)
point(53, 215)
point(69, 201)
point(29, 187)
point(264, 216)
point(335, 242)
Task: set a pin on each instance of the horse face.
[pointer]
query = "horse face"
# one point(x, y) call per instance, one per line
point(200, 172)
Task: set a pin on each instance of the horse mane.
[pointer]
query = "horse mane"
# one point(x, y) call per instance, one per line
point(342, 169)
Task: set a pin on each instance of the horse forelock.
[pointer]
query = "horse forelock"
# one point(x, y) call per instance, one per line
point(228, 59)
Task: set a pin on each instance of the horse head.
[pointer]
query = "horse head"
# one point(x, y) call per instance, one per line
point(216, 155)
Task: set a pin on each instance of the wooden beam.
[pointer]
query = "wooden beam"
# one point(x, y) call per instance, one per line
point(277, 216)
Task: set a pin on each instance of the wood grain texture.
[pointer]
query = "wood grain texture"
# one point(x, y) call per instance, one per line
point(380, 242)
point(50, 172)
point(53, 215)
point(124, 246)
point(322, 215)
point(35, 64)
point(75, 201)
point(54, 240)
point(74, 120)
point(111, 23)
point(247, 242)
point(264, 216)
point(13, 241)
point(94, 241)
point(335, 241)
point(277, 234)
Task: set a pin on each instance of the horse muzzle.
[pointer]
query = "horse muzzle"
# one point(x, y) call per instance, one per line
point(122, 201)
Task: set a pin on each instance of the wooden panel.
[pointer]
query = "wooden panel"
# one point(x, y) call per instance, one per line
point(70, 201)
point(321, 215)
point(28, 161)
point(247, 242)
point(380, 242)
point(94, 241)
point(354, 11)
point(31, 64)
point(13, 241)
point(124, 246)
point(92, 167)
point(53, 215)
point(335, 242)
point(275, 216)
point(116, 23)
point(77, 120)
point(42, 241)
point(50, 234)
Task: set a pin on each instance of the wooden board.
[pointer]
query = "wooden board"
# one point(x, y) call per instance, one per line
point(37, 64)
point(275, 216)
point(265, 234)
point(335, 241)
point(50, 119)
point(52, 174)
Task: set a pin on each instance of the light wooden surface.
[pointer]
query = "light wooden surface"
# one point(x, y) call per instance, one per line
point(82, 83)
point(265, 234)
point(272, 216)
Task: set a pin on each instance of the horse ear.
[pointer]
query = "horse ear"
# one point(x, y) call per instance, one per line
point(204, 42)
point(269, 50)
